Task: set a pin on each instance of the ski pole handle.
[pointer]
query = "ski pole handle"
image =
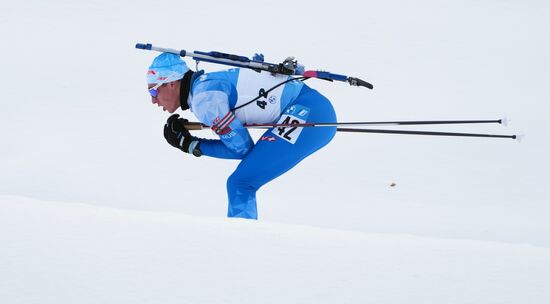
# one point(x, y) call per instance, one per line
point(194, 126)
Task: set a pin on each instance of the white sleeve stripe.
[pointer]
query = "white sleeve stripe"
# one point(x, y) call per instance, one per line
point(226, 120)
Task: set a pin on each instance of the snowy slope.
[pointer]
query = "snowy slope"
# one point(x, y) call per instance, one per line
point(74, 253)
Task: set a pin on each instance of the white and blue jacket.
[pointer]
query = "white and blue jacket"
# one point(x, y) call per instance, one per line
point(218, 100)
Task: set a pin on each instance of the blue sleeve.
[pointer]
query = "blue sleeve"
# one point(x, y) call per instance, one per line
point(210, 103)
point(216, 148)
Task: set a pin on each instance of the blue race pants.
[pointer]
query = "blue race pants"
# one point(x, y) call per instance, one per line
point(280, 149)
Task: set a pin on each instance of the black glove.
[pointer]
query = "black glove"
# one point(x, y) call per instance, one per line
point(179, 137)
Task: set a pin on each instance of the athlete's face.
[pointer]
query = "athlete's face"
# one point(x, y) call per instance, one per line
point(168, 96)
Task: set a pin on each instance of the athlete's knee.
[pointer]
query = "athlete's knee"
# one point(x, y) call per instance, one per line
point(237, 181)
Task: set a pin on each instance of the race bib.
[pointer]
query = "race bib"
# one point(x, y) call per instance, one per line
point(295, 114)
point(252, 84)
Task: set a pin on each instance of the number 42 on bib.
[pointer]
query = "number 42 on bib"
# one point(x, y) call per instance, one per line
point(295, 114)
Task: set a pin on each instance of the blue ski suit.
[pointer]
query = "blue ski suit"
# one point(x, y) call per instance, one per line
point(219, 100)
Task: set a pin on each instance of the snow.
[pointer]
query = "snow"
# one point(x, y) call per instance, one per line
point(96, 207)
point(75, 253)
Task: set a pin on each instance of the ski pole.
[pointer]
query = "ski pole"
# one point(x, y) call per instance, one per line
point(288, 67)
point(200, 126)
point(380, 123)
point(432, 133)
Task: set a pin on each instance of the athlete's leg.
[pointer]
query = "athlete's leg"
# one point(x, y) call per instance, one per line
point(278, 150)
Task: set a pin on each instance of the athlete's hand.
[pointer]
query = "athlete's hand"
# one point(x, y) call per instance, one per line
point(179, 137)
